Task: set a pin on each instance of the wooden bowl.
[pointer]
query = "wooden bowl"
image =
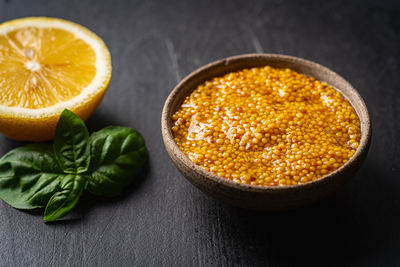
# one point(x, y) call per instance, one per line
point(264, 197)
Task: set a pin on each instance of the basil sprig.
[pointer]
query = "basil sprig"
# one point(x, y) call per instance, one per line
point(54, 177)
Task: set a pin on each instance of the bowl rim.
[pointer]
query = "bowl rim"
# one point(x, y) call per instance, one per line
point(169, 140)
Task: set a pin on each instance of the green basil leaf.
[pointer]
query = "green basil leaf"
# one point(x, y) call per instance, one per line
point(71, 143)
point(29, 176)
point(118, 155)
point(71, 189)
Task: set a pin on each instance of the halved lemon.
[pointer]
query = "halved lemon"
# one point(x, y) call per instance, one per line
point(47, 65)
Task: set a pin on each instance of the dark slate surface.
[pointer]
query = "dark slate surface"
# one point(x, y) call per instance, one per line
point(162, 220)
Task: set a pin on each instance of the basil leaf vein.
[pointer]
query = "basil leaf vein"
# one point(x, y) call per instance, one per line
point(71, 143)
point(29, 176)
point(118, 155)
point(71, 189)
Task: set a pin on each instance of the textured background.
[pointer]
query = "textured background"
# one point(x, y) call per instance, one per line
point(162, 220)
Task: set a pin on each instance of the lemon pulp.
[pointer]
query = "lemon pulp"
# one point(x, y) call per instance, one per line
point(43, 66)
point(48, 65)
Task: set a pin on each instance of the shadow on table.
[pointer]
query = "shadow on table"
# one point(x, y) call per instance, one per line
point(7, 144)
point(100, 119)
point(360, 220)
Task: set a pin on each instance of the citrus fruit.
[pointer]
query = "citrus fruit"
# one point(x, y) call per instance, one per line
point(46, 66)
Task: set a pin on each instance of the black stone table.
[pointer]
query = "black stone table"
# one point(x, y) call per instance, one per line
point(162, 220)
